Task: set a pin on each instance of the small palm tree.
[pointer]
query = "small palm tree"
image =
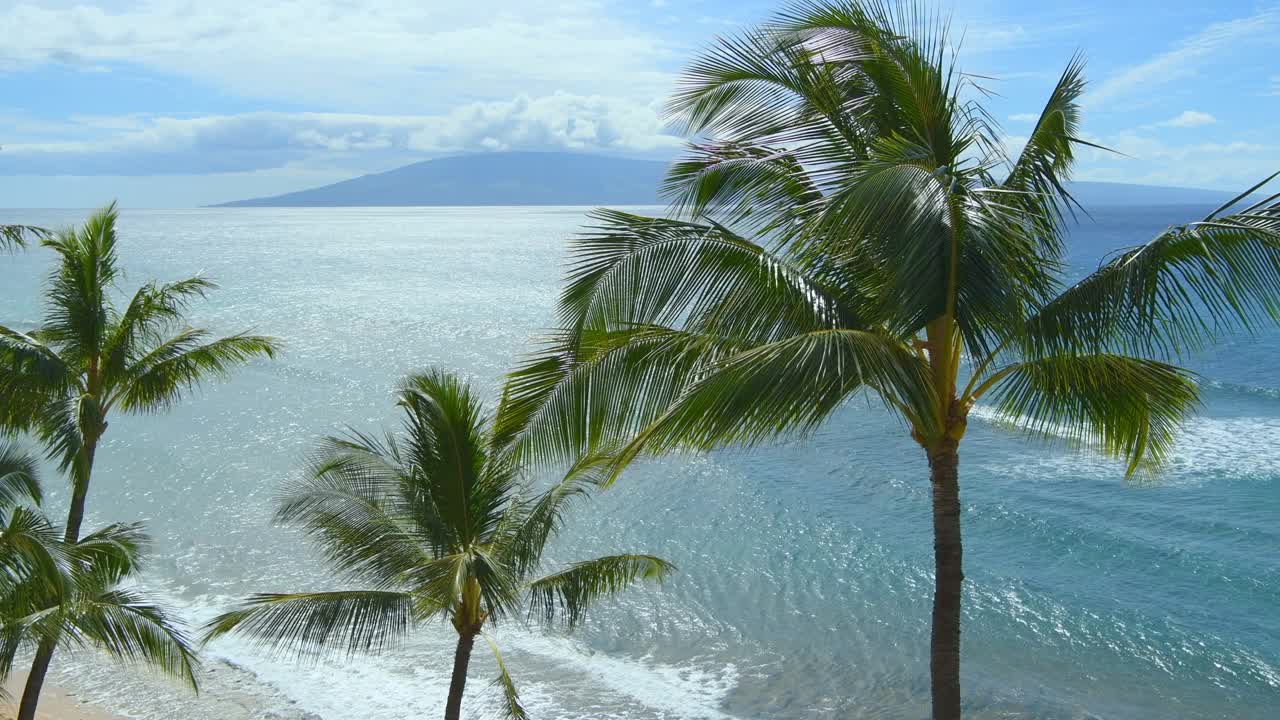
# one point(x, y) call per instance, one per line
point(440, 525)
point(28, 543)
point(849, 223)
point(89, 359)
point(79, 595)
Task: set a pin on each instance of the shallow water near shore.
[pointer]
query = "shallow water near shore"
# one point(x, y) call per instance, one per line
point(805, 569)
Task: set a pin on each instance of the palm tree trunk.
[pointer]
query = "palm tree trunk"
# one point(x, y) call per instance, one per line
point(80, 491)
point(81, 473)
point(944, 657)
point(461, 658)
point(35, 681)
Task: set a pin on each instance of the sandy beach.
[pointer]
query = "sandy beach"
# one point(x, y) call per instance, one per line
point(55, 704)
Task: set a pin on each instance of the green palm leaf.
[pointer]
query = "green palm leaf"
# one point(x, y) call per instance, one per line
point(129, 628)
point(1046, 160)
point(14, 237)
point(632, 270)
point(349, 620)
point(556, 408)
point(163, 376)
point(569, 593)
point(512, 708)
point(18, 477)
point(787, 386)
point(1131, 408)
point(1173, 295)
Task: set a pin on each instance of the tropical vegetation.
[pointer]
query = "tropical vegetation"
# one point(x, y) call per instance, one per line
point(438, 523)
point(847, 222)
point(75, 595)
point(62, 381)
point(14, 237)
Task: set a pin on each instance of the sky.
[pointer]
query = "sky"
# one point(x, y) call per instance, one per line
point(180, 104)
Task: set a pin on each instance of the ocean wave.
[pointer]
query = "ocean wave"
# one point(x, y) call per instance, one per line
point(557, 677)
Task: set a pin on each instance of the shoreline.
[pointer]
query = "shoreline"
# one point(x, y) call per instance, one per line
point(56, 703)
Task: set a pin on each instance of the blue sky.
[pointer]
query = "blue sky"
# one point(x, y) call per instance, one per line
point(187, 103)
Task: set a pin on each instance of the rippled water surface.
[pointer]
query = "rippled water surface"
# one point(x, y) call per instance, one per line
point(805, 569)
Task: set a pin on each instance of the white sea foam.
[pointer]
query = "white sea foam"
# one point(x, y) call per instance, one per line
point(557, 677)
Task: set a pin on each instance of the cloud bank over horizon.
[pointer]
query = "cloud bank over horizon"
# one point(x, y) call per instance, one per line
point(186, 103)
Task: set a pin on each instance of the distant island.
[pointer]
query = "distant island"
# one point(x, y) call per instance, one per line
point(558, 178)
point(507, 178)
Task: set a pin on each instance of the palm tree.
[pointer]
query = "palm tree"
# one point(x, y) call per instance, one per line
point(850, 224)
point(89, 358)
point(439, 525)
point(74, 595)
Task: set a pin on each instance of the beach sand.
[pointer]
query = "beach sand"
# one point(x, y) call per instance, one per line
point(55, 704)
point(81, 690)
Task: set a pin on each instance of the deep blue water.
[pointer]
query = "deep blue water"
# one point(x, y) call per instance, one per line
point(805, 569)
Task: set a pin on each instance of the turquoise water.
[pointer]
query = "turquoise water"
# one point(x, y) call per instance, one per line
point(805, 569)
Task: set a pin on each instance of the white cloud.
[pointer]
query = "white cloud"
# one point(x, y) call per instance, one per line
point(1186, 59)
point(1024, 117)
point(364, 55)
point(142, 145)
point(1231, 165)
point(1188, 119)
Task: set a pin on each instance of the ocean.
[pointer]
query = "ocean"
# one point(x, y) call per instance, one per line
point(804, 579)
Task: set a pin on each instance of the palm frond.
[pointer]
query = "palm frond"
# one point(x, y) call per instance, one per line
point(1129, 407)
point(31, 561)
point(31, 373)
point(58, 425)
point(1038, 177)
point(767, 188)
point(544, 517)
point(78, 305)
point(348, 621)
point(578, 400)
point(130, 628)
point(19, 479)
point(512, 708)
point(1173, 295)
point(14, 237)
point(569, 593)
point(445, 444)
point(789, 386)
point(154, 308)
point(109, 555)
point(163, 376)
point(631, 270)
point(767, 88)
point(351, 509)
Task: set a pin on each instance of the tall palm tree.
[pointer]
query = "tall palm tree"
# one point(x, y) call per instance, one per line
point(849, 223)
point(89, 359)
point(74, 595)
point(440, 525)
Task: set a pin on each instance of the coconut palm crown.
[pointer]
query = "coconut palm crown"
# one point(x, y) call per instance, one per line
point(75, 596)
point(848, 222)
point(437, 524)
point(89, 358)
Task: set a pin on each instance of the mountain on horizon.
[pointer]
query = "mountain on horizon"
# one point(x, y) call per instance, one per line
point(561, 178)
point(506, 178)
